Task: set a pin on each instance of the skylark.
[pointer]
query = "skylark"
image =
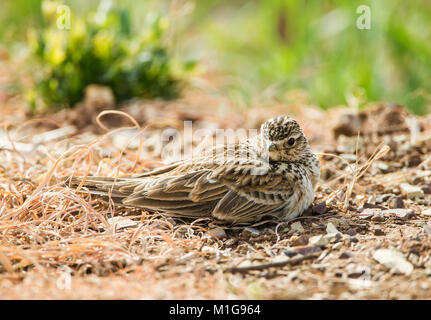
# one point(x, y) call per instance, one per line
point(273, 173)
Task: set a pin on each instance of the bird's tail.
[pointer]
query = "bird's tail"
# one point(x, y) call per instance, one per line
point(108, 188)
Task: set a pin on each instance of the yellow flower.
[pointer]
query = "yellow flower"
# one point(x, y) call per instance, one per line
point(103, 43)
point(55, 46)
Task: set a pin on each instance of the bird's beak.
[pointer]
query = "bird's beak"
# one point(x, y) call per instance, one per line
point(272, 147)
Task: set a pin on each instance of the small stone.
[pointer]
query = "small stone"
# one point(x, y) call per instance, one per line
point(426, 212)
point(368, 205)
point(426, 189)
point(384, 197)
point(337, 246)
point(383, 166)
point(297, 226)
point(207, 249)
point(352, 232)
point(378, 217)
point(368, 213)
point(119, 223)
point(396, 203)
point(308, 211)
point(330, 228)
point(346, 255)
point(357, 271)
point(290, 253)
point(393, 260)
point(187, 256)
point(320, 266)
point(231, 242)
point(318, 241)
point(333, 237)
point(319, 208)
point(353, 240)
point(250, 231)
point(304, 250)
point(414, 258)
point(219, 233)
point(411, 192)
point(427, 230)
point(299, 241)
point(323, 255)
point(402, 214)
point(378, 231)
point(348, 157)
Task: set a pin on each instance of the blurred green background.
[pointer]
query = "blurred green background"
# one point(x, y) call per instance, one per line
point(268, 48)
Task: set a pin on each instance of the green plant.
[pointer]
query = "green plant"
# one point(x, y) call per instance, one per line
point(102, 48)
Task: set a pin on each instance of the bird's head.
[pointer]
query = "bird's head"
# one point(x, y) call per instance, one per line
point(283, 139)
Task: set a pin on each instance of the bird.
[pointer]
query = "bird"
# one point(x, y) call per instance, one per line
point(271, 174)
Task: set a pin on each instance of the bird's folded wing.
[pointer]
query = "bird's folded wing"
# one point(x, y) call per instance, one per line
point(233, 192)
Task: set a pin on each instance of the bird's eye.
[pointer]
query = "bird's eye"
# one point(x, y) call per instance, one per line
point(291, 141)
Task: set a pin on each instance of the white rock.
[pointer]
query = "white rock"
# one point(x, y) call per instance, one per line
point(394, 260)
point(318, 241)
point(297, 226)
point(403, 214)
point(412, 192)
point(337, 246)
point(121, 223)
point(330, 228)
point(369, 213)
point(426, 212)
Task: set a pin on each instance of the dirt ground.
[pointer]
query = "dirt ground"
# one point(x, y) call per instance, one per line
point(367, 235)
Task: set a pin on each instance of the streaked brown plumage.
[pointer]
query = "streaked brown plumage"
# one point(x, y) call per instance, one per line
point(240, 188)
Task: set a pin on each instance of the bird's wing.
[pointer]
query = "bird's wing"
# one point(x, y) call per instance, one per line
point(191, 193)
point(255, 190)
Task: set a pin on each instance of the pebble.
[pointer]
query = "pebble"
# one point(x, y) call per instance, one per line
point(352, 232)
point(411, 192)
point(357, 271)
point(426, 212)
point(368, 205)
point(187, 256)
point(319, 208)
point(121, 223)
point(319, 240)
point(383, 166)
point(297, 226)
point(426, 189)
point(337, 246)
point(250, 231)
point(384, 197)
point(320, 266)
point(299, 241)
point(231, 242)
point(333, 237)
point(330, 228)
point(427, 230)
point(402, 214)
point(346, 255)
point(378, 217)
point(354, 240)
point(378, 231)
point(396, 203)
point(290, 253)
point(393, 260)
point(219, 233)
point(368, 213)
point(304, 250)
